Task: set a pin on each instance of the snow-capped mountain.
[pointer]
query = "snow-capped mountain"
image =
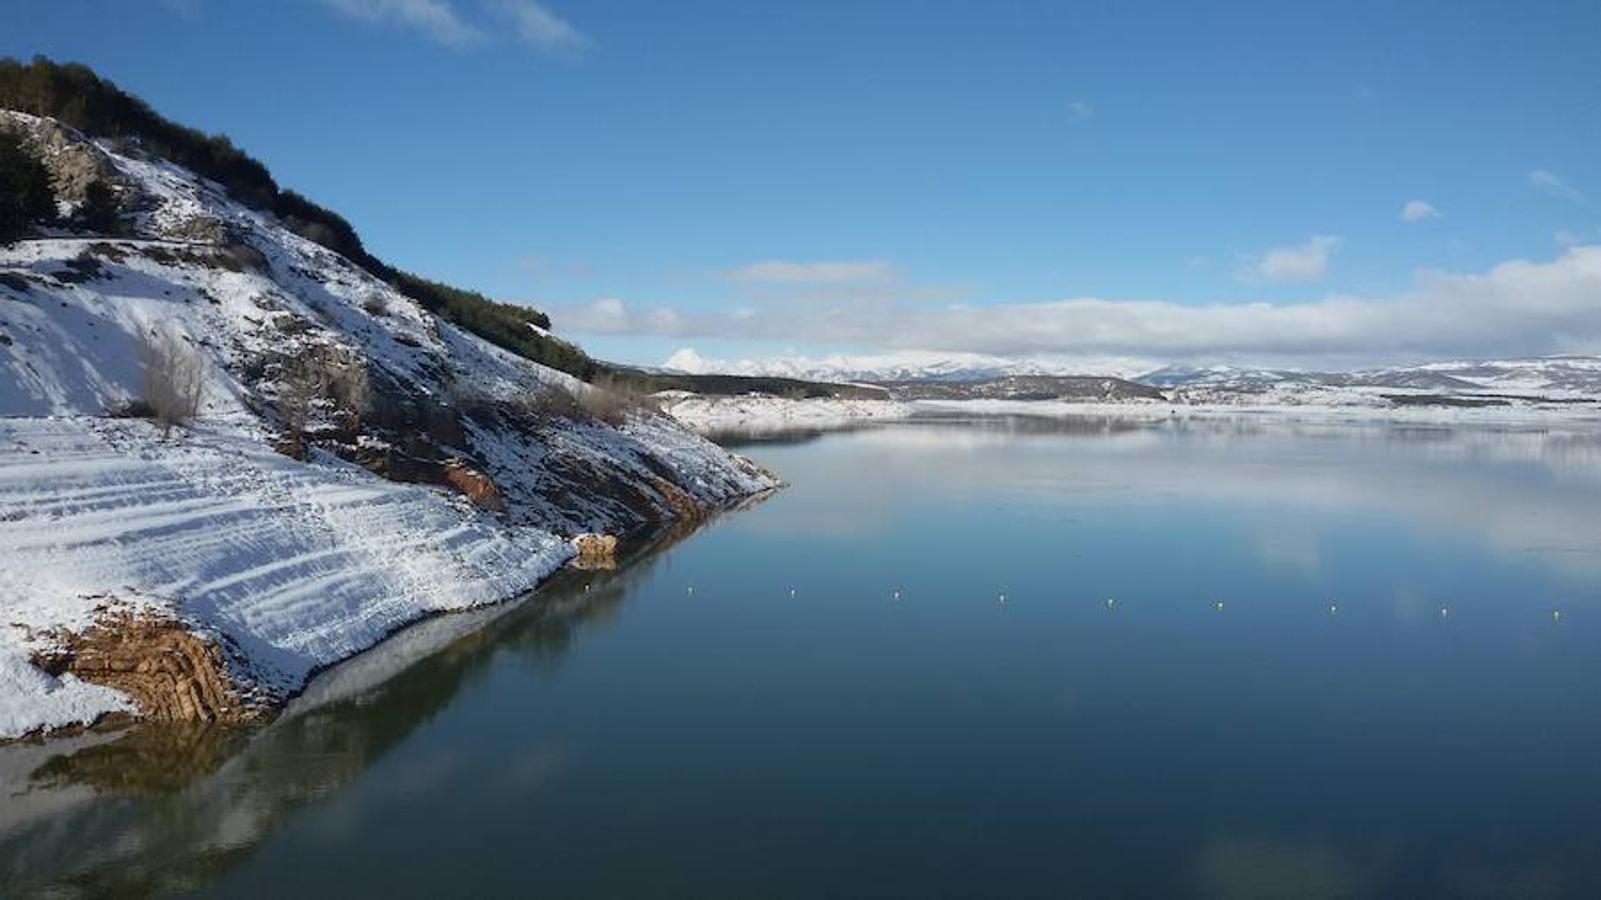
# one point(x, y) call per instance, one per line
point(1554, 376)
point(907, 365)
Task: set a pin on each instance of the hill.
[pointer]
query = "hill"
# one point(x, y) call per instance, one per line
point(225, 445)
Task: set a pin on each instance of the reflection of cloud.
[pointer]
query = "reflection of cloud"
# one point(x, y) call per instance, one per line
point(1532, 496)
point(1294, 548)
point(1241, 866)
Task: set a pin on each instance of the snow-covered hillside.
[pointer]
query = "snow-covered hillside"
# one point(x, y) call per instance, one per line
point(289, 560)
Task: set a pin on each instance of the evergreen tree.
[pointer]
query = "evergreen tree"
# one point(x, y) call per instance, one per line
point(99, 212)
point(25, 196)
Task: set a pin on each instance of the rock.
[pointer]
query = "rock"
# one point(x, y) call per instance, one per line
point(595, 551)
point(74, 162)
point(171, 673)
point(478, 487)
point(683, 505)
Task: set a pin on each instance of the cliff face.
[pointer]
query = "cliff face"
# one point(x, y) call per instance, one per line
point(352, 462)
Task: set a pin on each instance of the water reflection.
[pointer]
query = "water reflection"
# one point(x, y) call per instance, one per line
point(1031, 657)
point(166, 808)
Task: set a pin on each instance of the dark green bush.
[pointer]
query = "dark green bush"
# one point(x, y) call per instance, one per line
point(25, 196)
point(76, 96)
point(99, 212)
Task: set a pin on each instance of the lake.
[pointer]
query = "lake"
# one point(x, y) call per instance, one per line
point(1008, 657)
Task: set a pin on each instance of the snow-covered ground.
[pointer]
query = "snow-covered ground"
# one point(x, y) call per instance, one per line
point(290, 564)
point(762, 412)
point(300, 565)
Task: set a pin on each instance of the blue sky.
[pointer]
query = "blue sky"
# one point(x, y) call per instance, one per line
point(1019, 177)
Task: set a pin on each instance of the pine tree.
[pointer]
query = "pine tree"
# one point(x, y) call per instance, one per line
point(25, 196)
point(99, 212)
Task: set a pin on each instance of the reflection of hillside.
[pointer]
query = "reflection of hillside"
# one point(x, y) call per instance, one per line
point(159, 809)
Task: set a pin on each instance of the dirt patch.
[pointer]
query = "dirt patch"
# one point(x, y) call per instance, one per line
point(171, 673)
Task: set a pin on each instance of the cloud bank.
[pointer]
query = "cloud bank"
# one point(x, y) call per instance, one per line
point(1517, 308)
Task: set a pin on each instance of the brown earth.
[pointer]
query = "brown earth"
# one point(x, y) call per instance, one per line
point(171, 673)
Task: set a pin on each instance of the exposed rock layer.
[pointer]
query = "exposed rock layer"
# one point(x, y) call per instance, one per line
point(171, 673)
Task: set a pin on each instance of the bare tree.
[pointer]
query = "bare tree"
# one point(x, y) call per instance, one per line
point(611, 399)
point(173, 378)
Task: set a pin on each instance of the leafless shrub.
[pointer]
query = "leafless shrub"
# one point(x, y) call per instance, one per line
point(611, 399)
point(173, 378)
point(544, 402)
point(376, 305)
point(534, 405)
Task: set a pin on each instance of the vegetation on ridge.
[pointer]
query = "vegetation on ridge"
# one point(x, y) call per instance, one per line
point(74, 95)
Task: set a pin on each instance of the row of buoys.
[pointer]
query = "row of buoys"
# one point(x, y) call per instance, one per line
point(1111, 602)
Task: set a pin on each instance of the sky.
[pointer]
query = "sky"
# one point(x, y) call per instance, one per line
point(1286, 183)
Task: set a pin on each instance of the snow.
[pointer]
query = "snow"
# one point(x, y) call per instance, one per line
point(763, 412)
point(297, 564)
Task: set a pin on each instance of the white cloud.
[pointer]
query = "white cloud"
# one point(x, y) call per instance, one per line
point(1079, 110)
point(1301, 262)
point(609, 315)
point(1517, 308)
point(815, 272)
point(1418, 210)
point(1549, 183)
point(532, 23)
point(542, 29)
point(437, 19)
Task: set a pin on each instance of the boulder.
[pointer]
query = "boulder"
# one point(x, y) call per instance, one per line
point(595, 551)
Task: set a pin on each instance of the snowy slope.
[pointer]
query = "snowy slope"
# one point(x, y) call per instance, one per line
point(293, 563)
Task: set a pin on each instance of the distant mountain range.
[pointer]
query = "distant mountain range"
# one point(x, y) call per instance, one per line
point(950, 376)
point(1550, 375)
point(912, 365)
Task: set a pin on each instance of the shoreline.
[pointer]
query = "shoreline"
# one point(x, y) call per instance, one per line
point(206, 577)
point(313, 692)
point(758, 415)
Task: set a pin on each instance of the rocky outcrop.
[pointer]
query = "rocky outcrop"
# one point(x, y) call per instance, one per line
point(595, 551)
point(170, 673)
point(73, 162)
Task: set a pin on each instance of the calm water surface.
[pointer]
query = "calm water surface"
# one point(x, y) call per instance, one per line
point(988, 659)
